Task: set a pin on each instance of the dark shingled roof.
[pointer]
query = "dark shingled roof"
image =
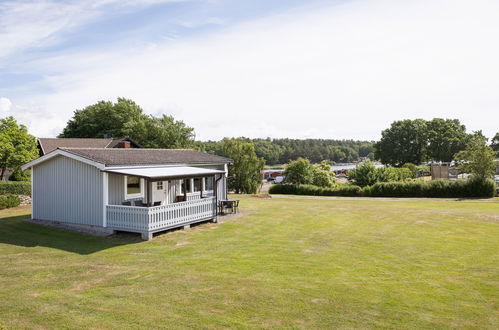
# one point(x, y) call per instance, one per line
point(50, 144)
point(118, 156)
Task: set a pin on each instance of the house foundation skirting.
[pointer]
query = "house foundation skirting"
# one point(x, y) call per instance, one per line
point(87, 229)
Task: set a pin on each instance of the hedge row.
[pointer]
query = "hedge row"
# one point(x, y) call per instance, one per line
point(434, 188)
point(415, 188)
point(9, 200)
point(306, 189)
point(15, 187)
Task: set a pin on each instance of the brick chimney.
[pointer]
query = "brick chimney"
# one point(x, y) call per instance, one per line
point(124, 144)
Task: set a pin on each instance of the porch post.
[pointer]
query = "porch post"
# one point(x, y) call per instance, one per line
point(105, 197)
point(184, 182)
point(148, 192)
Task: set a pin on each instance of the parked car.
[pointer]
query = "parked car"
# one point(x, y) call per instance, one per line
point(279, 179)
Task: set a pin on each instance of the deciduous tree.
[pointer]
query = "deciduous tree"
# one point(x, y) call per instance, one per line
point(478, 158)
point(17, 146)
point(404, 142)
point(245, 173)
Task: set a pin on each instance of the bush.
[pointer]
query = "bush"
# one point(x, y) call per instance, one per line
point(15, 187)
point(9, 200)
point(20, 175)
point(305, 189)
point(364, 174)
point(436, 188)
point(299, 171)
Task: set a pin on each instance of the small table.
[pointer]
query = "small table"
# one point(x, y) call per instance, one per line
point(228, 203)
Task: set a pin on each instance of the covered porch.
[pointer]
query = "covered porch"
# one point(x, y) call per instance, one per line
point(153, 199)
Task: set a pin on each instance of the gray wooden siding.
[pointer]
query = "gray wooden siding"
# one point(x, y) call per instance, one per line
point(67, 190)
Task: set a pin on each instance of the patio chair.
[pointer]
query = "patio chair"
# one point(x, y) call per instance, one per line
point(235, 206)
point(127, 203)
point(157, 204)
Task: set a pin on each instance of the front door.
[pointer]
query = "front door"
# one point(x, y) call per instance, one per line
point(159, 190)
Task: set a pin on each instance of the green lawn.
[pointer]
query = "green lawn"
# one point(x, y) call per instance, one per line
point(289, 263)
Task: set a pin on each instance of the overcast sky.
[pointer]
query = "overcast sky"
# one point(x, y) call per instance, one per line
point(256, 68)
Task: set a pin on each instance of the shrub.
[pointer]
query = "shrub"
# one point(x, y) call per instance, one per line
point(20, 175)
point(387, 174)
point(364, 174)
point(435, 188)
point(9, 200)
point(322, 176)
point(299, 171)
point(15, 187)
point(305, 189)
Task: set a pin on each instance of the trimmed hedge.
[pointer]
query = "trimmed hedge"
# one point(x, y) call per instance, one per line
point(415, 188)
point(9, 200)
point(306, 189)
point(15, 187)
point(435, 188)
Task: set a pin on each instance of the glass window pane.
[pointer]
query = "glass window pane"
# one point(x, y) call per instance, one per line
point(197, 184)
point(209, 183)
point(132, 185)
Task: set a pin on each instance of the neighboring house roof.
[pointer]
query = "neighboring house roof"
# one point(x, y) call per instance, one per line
point(50, 144)
point(128, 157)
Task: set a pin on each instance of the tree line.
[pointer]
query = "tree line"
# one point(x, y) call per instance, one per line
point(282, 151)
point(406, 141)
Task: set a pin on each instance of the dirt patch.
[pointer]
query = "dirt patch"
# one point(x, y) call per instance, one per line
point(182, 243)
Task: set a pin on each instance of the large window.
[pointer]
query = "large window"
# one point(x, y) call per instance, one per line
point(180, 186)
point(208, 183)
point(134, 187)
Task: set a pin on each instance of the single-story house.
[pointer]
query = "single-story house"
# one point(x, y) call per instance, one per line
point(126, 189)
point(47, 145)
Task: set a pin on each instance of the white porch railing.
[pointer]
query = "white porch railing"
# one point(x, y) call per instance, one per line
point(150, 219)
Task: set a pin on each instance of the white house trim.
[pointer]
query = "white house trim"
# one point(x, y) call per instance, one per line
point(59, 152)
point(133, 196)
point(105, 197)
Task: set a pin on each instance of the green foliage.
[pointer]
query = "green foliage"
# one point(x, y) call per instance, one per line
point(299, 171)
point(160, 132)
point(415, 141)
point(478, 158)
point(495, 144)
point(245, 173)
point(15, 187)
point(387, 174)
point(20, 175)
point(364, 174)
point(311, 190)
point(322, 176)
point(17, 147)
point(268, 150)
point(435, 188)
point(126, 118)
point(413, 168)
point(445, 138)
point(404, 142)
point(8, 201)
point(282, 151)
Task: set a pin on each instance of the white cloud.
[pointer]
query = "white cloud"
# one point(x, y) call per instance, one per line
point(28, 24)
point(341, 71)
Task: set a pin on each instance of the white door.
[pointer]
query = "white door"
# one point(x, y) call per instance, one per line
point(159, 191)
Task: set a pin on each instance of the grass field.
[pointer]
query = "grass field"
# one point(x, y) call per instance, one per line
point(299, 263)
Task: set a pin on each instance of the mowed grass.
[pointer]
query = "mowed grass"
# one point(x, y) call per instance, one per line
point(287, 263)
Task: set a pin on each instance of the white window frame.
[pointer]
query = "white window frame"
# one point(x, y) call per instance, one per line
point(133, 196)
point(204, 184)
